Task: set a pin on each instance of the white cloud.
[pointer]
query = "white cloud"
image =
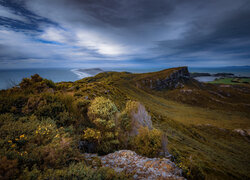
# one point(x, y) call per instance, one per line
point(54, 34)
point(95, 41)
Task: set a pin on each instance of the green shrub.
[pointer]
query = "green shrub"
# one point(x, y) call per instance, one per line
point(66, 100)
point(32, 174)
point(148, 142)
point(81, 171)
point(50, 105)
point(102, 108)
point(49, 109)
point(26, 82)
point(82, 105)
point(12, 128)
point(31, 104)
point(73, 171)
point(125, 121)
point(49, 83)
point(36, 84)
point(92, 135)
point(45, 132)
point(7, 117)
point(59, 153)
point(12, 103)
point(36, 78)
point(102, 113)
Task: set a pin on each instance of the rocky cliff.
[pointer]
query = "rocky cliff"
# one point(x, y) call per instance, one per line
point(166, 79)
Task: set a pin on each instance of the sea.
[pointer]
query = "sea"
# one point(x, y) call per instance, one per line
point(12, 77)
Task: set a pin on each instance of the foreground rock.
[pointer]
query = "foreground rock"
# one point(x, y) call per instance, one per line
point(243, 132)
point(140, 167)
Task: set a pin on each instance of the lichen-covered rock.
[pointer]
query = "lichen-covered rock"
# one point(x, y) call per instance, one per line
point(140, 167)
point(140, 118)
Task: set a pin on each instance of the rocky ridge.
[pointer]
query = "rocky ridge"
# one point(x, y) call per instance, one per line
point(140, 167)
point(166, 79)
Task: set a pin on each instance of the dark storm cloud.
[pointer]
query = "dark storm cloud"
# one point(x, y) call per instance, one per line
point(231, 35)
point(27, 21)
point(156, 32)
point(126, 13)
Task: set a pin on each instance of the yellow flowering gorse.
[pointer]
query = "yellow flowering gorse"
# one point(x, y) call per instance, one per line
point(90, 133)
point(44, 130)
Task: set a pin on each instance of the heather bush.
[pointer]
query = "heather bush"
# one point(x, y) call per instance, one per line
point(102, 112)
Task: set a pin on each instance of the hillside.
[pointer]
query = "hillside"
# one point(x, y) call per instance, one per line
point(206, 125)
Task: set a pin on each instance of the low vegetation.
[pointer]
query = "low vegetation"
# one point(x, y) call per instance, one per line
point(41, 127)
point(148, 142)
point(44, 127)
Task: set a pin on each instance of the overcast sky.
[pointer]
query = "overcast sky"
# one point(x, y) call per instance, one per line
point(124, 33)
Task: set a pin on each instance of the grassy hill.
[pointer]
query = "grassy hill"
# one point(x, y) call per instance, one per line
point(199, 119)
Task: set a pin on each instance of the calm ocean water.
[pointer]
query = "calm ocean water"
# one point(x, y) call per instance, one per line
point(10, 76)
point(7, 77)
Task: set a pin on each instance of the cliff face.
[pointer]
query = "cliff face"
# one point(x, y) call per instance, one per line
point(166, 79)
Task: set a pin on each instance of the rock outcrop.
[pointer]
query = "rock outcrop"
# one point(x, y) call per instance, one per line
point(243, 132)
point(140, 167)
point(140, 118)
point(167, 79)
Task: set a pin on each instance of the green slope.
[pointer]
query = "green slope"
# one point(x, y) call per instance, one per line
point(201, 138)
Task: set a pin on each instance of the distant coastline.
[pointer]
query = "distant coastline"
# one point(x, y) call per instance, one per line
point(8, 77)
